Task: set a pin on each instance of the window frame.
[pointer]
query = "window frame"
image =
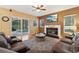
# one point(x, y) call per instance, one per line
point(71, 19)
point(21, 19)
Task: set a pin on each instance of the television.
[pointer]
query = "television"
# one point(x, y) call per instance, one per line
point(52, 18)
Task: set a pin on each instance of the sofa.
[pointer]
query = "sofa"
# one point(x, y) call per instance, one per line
point(76, 43)
point(16, 46)
point(67, 46)
point(4, 50)
point(62, 47)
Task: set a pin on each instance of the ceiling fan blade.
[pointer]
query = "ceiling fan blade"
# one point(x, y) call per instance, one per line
point(34, 10)
point(33, 6)
point(41, 6)
point(42, 9)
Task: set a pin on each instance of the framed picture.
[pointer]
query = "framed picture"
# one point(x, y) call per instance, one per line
point(52, 18)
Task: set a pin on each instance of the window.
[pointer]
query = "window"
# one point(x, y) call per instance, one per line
point(69, 23)
point(16, 25)
point(19, 26)
point(34, 22)
point(42, 23)
point(69, 20)
point(25, 25)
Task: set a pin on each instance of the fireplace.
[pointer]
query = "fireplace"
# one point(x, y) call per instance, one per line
point(53, 32)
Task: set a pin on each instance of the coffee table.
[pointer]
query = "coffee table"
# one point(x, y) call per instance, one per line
point(40, 36)
point(41, 47)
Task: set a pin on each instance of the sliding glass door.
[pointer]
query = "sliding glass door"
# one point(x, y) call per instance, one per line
point(24, 26)
point(20, 27)
point(16, 27)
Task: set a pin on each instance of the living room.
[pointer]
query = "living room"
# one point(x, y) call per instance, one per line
point(33, 29)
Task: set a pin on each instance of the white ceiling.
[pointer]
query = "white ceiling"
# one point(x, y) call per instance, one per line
point(28, 8)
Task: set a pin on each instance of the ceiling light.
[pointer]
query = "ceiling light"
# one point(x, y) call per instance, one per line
point(38, 10)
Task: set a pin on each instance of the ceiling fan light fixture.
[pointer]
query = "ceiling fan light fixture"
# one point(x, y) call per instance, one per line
point(38, 10)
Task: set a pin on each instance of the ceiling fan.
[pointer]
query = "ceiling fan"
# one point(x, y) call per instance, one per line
point(39, 8)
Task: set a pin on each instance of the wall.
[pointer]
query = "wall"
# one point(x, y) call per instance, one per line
point(6, 26)
point(61, 15)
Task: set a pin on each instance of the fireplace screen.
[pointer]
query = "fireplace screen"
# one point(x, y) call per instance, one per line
point(52, 32)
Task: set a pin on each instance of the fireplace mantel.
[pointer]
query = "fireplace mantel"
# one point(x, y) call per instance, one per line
point(54, 26)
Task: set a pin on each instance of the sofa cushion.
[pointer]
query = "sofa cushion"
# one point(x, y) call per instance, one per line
point(3, 50)
point(62, 47)
point(75, 37)
point(18, 46)
point(76, 45)
point(3, 42)
point(67, 41)
point(8, 39)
